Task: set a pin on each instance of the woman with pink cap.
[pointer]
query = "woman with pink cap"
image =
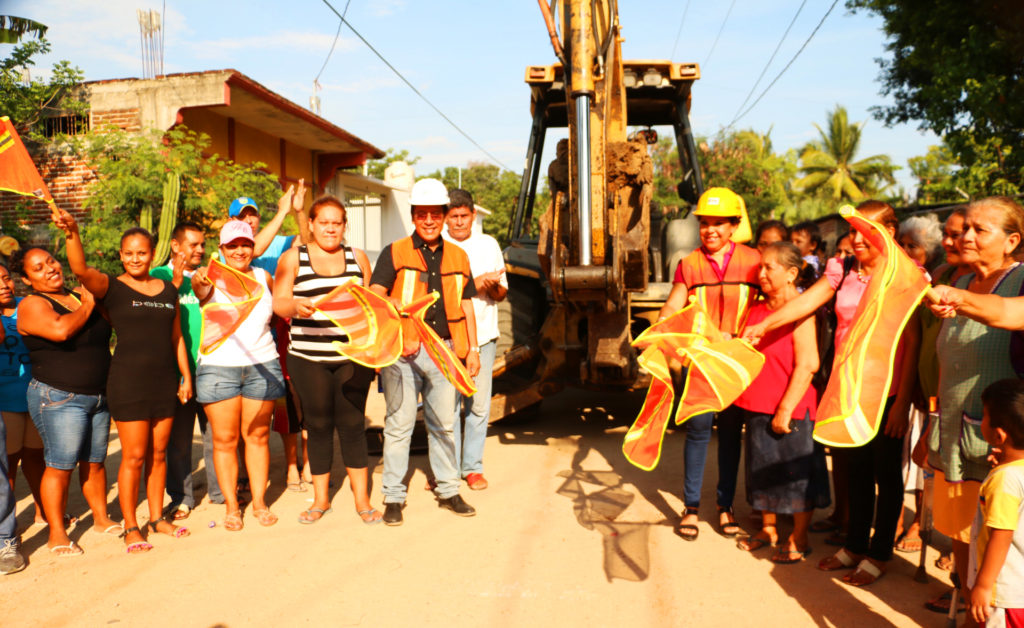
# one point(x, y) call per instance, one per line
point(238, 380)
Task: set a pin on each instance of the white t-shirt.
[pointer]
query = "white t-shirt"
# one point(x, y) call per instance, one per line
point(484, 257)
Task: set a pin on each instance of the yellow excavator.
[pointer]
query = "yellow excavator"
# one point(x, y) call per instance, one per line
point(599, 268)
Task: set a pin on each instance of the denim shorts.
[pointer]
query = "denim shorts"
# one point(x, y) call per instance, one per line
point(74, 427)
point(262, 382)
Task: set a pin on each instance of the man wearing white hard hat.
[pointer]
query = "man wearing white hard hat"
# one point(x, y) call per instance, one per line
point(406, 270)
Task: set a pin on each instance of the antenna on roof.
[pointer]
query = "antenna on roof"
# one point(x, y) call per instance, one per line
point(314, 100)
point(152, 39)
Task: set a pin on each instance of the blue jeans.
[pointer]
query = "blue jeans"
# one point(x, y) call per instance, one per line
point(74, 427)
point(476, 412)
point(7, 522)
point(403, 381)
point(695, 453)
point(262, 382)
point(730, 446)
point(179, 456)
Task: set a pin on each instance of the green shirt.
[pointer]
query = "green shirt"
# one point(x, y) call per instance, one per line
point(191, 317)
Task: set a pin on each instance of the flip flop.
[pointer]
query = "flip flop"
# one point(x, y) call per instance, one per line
point(373, 519)
point(68, 550)
point(113, 530)
point(784, 556)
point(941, 603)
point(233, 521)
point(296, 487)
point(182, 512)
point(908, 545)
point(140, 547)
point(753, 543)
point(311, 511)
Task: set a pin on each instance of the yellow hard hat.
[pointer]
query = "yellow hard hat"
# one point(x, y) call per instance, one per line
point(721, 203)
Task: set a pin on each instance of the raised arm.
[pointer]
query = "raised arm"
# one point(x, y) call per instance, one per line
point(795, 309)
point(36, 317)
point(301, 218)
point(93, 280)
point(805, 357)
point(266, 235)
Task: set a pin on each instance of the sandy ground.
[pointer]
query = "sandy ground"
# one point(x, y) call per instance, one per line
point(568, 534)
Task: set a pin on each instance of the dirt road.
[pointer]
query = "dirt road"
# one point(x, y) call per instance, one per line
point(569, 534)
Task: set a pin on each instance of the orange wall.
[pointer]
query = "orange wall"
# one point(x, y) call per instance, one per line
point(254, 145)
point(205, 121)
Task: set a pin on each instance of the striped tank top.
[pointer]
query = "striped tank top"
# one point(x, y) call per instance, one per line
point(311, 338)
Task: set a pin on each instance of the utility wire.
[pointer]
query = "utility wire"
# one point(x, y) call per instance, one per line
point(680, 31)
point(767, 65)
point(783, 71)
point(720, 29)
point(333, 43)
point(413, 88)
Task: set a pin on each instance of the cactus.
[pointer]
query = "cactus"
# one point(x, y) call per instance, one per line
point(168, 218)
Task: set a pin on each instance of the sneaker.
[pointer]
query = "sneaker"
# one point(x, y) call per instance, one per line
point(11, 560)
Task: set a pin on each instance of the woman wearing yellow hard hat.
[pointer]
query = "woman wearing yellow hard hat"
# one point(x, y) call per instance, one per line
point(722, 275)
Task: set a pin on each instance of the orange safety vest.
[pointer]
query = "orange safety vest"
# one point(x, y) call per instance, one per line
point(726, 300)
point(409, 268)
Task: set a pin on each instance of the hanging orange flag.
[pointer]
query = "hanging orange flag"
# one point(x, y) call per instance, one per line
point(720, 370)
point(220, 320)
point(18, 173)
point(450, 365)
point(851, 408)
point(372, 324)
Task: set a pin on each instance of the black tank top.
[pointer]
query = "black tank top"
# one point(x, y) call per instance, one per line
point(78, 364)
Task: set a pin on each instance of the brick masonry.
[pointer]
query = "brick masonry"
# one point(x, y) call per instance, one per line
point(66, 176)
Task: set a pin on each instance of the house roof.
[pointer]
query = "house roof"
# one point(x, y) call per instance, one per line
point(226, 92)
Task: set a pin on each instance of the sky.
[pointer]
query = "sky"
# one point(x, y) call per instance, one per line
point(468, 57)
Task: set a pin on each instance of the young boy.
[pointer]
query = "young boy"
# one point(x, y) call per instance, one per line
point(806, 236)
point(996, 580)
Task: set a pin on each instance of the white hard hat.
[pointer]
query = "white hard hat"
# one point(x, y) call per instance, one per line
point(428, 192)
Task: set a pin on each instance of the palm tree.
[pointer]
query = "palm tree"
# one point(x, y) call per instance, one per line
point(829, 167)
point(12, 29)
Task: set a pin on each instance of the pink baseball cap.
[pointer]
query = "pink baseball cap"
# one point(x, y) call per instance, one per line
point(235, 230)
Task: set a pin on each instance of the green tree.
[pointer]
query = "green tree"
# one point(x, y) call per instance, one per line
point(957, 68)
point(745, 162)
point(28, 102)
point(131, 169)
point(935, 172)
point(829, 165)
point(376, 167)
point(13, 29)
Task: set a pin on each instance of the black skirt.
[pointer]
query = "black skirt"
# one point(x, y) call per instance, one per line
point(785, 473)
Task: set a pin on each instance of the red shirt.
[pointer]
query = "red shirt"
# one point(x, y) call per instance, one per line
point(766, 391)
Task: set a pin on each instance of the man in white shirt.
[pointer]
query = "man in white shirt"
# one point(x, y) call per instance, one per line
point(488, 268)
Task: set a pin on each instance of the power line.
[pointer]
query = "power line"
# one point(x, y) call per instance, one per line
point(783, 71)
point(720, 29)
point(333, 43)
point(767, 65)
point(680, 31)
point(413, 88)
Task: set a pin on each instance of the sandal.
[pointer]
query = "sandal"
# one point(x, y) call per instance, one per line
point(865, 567)
point(71, 549)
point(840, 560)
point(687, 531)
point(176, 532)
point(296, 487)
point(138, 547)
point(941, 603)
point(754, 543)
point(233, 521)
point(784, 556)
point(908, 545)
point(265, 517)
point(306, 516)
point(114, 529)
point(373, 514)
point(729, 529)
point(182, 512)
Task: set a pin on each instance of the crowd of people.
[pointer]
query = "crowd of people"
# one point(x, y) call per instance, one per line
point(955, 405)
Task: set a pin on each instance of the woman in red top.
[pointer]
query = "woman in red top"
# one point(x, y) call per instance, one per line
point(785, 471)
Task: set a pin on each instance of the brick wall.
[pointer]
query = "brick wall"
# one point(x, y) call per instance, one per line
point(68, 179)
point(127, 119)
